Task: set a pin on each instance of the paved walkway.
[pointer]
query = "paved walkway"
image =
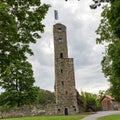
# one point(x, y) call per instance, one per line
point(100, 114)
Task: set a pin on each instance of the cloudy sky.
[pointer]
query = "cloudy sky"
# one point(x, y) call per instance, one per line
point(81, 23)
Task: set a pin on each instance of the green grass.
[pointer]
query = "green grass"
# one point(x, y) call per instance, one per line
point(71, 117)
point(110, 117)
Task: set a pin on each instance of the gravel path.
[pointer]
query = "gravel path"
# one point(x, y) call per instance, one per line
point(100, 114)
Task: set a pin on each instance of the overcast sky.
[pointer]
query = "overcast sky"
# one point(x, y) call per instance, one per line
point(81, 23)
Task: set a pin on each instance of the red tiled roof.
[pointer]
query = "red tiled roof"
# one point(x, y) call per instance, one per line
point(107, 96)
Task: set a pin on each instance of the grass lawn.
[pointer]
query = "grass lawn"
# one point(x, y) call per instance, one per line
point(110, 117)
point(71, 117)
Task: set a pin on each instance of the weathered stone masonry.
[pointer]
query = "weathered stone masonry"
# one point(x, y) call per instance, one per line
point(65, 90)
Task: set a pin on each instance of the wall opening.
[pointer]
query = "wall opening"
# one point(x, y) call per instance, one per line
point(62, 83)
point(59, 29)
point(59, 40)
point(58, 110)
point(66, 111)
point(61, 55)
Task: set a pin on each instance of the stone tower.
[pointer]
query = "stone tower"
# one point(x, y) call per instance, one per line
point(65, 91)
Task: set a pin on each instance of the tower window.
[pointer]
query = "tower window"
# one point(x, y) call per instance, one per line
point(73, 106)
point(59, 40)
point(59, 29)
point(66, 92)
point(61, 70)
point(61, 55)
point(62, 83)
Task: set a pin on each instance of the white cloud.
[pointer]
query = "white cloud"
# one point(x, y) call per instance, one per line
point(90, 78)
point(81, 23)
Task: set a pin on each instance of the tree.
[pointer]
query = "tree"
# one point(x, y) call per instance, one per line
point(20, 25)
point(111, 60)
point(90, 99)
point(109, 31)
point(103, 92)
point(114, 52)
point(8, 29)
point(114, 17)
point(45, 97)
point(18, 84)
point(34, 95)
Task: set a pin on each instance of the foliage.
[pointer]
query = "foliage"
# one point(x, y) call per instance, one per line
point(71, 117)
point(8, 29)
point(84, 100)
point(104, 92)
point(20, 96)
point(90, 99)
point(114, 17)
point(97, 3)
point(111, 59)
point(18, 85)
point(45, 97)
point(109, 31)
point(20, 25)
point(104, 30)
point(110, 117)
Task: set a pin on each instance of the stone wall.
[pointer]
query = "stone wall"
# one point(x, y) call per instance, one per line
point(29, 110)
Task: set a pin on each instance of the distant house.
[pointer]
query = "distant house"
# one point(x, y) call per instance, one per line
point(108, 103)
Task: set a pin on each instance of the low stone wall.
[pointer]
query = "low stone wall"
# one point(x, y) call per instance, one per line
point(29, 110)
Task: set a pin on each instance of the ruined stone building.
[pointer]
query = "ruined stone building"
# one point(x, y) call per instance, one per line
point(65, 91)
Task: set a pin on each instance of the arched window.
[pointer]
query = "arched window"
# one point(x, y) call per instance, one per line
point(60, 40)
point(59, 29)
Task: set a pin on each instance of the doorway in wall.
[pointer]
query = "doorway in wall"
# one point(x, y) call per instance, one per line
point(66, 111)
